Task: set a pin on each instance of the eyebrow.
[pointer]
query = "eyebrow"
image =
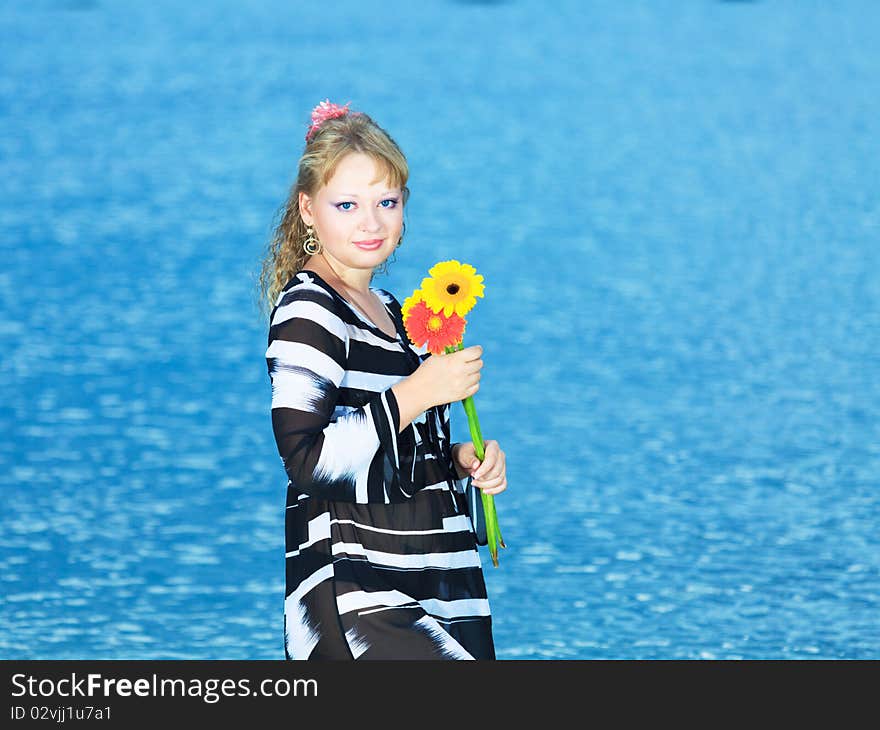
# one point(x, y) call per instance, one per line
point(352, 195)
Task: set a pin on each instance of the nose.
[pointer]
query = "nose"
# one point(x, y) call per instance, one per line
point(370, 222)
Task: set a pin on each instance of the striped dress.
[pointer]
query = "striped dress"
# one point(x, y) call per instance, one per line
point(381, 558)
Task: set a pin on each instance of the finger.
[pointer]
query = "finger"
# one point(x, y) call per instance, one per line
point(490, 461)
point(490, 480)
point(484, 469)
point(494, 451)
point(496, 489)
point(496, 472)
point(491, 446)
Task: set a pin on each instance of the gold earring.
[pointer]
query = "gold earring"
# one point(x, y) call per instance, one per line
point(311, 245)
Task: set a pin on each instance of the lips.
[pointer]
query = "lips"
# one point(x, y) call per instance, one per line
point(369, 245)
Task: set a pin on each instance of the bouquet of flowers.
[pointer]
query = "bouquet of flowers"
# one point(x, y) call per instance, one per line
point(434, 314)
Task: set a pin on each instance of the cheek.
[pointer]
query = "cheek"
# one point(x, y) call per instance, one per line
point(394, 219)
point(332, 226)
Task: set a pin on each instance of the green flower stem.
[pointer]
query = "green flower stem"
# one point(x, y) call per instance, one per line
point(493, 532)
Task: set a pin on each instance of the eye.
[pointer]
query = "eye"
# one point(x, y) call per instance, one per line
point(393, 202)
point(344, 202)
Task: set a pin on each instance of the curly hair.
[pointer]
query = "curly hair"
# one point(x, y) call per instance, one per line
point(330, 143)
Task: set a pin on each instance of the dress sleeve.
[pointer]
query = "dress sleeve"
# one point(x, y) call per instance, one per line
point(463, 482)
point(349, 455)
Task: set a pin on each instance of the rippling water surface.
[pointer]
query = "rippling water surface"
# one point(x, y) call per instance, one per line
point(675, 208)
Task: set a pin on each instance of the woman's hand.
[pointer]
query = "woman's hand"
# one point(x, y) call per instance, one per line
point(490, 475)
point(449, 377)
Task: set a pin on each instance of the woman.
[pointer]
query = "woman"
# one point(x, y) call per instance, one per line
point(382, 560)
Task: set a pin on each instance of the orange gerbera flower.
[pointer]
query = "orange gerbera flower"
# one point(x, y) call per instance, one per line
point(408, 303)
point(423, 325)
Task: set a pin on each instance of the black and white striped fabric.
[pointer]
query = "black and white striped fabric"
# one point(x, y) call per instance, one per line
point(382, 561)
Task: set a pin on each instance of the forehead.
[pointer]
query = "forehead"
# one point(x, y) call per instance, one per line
point(359, 172)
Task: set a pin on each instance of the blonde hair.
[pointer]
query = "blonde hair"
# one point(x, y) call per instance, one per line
point(333, 140)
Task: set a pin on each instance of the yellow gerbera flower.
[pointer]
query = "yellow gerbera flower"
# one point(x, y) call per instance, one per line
point(410, 302)
point(452, 287)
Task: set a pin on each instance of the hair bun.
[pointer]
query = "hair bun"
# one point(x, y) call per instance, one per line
point(322, 112)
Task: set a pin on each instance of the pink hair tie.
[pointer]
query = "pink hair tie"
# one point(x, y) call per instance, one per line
point(324, 111)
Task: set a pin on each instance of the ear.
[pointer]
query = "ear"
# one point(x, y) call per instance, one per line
point(305, 209)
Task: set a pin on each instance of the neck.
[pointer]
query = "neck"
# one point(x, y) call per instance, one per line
point(355, 280)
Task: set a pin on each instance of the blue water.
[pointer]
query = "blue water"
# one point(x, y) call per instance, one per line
point(675, 208)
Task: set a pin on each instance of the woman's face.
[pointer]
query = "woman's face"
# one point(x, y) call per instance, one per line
point(354, 207)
